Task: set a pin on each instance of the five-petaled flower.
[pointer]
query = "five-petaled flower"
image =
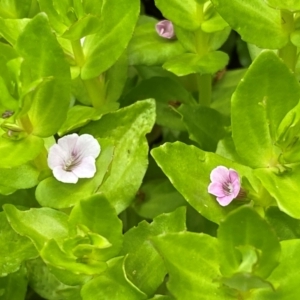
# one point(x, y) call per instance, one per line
point(165, 29)
point(74, 157)
point(225, 184)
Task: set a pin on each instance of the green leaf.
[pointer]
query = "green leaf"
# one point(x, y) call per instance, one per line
point(23, 197)
point(7, 102)
point(243, 251)
point(278, 92)
point(97, 214)
point(148, 48)
point(165, 91)
point(192, 261)
point(14, 286)
point(144, 267)
point(295, 38)
point(113, 284)
point(22, 177)
point(186, 14)
point(15, 9)
point(287, 133)
point(80, 115)
point(51, 100)
point(75, 270)
point(17, 152)
point(116, 77)
point(104, 48)
point(223, 90)
point(189, 168)
point(38, 224)
point(44, 283)
point(291, 5)
point(15, 249)
point(205, 126)
point(214, 23)
point(53, 193)
point(56, 20)
point(285, 277)
point(255, 21)
point(189, 63)
point(286, 228)
point(10, 29)
point(283, 187)
point(156, 197)
point(127, 128)
point(85, 26)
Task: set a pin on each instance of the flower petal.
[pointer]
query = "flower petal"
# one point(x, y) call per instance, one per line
point(236, 186)
point(219, 174)
point(86, 168)
point(68, 142)
point(87, 145)
point(224, 201)
point(233, 175)
point(216, 188)
point(64, 176)
point(56, 156)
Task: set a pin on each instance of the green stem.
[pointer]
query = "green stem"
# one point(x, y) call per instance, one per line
point(26, 123)
point(289, 52)
point(96, 91)
point(204, 88)
point(94, 86)
point(204, 80)
point(78, 53)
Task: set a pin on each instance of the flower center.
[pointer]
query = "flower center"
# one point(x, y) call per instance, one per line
point(71, 162)
point(228, 188)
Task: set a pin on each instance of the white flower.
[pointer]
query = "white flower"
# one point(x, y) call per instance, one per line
point(74, 157)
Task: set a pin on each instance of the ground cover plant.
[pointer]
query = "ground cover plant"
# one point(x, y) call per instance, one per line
point(135, 164)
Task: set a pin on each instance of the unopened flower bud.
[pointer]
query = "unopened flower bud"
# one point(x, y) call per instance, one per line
point(165, 29)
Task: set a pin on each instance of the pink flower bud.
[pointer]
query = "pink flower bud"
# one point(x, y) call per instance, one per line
point(165, 29)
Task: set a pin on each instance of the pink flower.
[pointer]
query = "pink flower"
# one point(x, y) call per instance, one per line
point(74, 157)
point(225, 184)
point(165, 29)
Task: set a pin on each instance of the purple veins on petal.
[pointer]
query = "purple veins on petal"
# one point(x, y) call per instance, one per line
point(165, 29)
point(225, 184)
point(74, 157)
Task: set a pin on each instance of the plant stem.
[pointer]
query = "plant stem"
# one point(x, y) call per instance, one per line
point(94, 86)
point(204, 80)
point(78, 53)
point(26, 123)
point(289, 52)
point(96, 91)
